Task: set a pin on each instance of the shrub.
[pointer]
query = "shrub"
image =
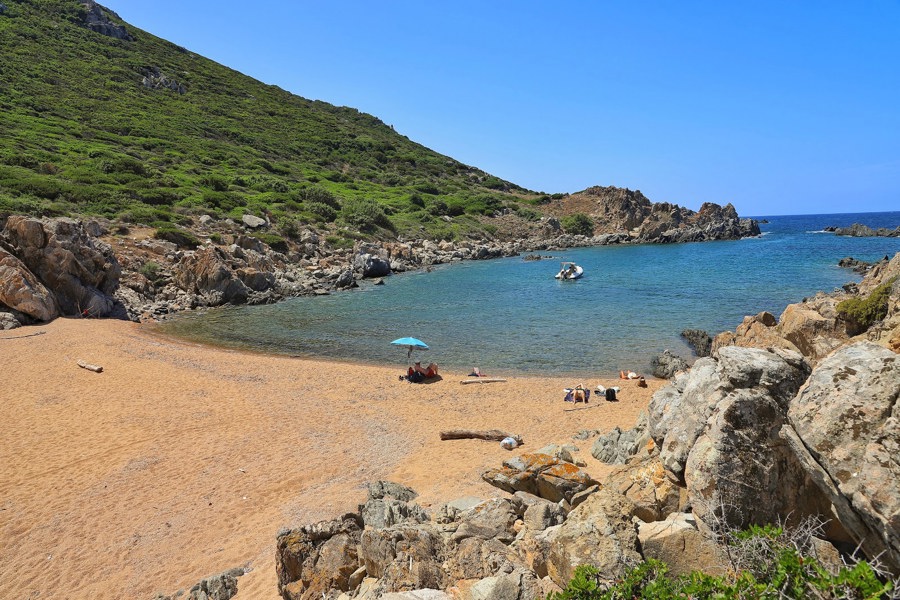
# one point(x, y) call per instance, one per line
point(275, 242)
point(578, 224)
point(323, 210)
point(180, 237)
point(150, 270)
point(214, 183)
point(861, 313)
point(767, 563)
point(318, 194)
point(365, 214)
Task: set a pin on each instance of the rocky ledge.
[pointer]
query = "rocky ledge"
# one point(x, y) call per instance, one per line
point(64, 267)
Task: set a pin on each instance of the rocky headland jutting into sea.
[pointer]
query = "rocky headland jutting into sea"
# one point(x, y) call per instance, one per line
point(98, 268)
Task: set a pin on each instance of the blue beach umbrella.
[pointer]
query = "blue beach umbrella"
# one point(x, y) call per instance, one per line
point(412, 343)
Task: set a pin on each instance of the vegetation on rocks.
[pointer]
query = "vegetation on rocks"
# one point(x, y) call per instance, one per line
point(863, 312)
point(768, 562)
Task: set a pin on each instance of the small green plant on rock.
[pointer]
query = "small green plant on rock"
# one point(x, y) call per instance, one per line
point(768, 562)
point(180, 237)
point(862, 313)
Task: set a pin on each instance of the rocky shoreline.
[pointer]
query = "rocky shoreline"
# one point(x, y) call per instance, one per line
point(790, 421)
point(94, 268)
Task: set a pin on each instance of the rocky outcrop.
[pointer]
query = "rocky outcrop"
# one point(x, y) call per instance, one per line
point(753, 441)
point(616, 446)
point(96, 19)
point(154, 79)
point(844, 427)
point(542, 475)
point(622, 216)
point(223, 586)
point(55, 267)
point(859, 230)
point(666, 365)
point(815, 328)
point(678, 542)
point(699, 340)
point(21, 291)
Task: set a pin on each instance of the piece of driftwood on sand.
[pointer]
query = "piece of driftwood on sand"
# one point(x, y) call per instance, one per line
point(90, 367)
point(491, 435)
point(482, 380)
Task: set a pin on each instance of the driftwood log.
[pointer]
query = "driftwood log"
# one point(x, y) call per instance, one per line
point(491, 435)
point(90, 367)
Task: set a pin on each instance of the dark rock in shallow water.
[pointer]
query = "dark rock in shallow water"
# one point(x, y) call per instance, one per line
point(859, 266)
point(667, 364)
point(699, 340)
point(859, 230)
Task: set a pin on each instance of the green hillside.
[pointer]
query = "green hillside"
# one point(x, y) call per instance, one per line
point(147, 132)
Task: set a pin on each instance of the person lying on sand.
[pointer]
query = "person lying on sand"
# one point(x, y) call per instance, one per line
point(430, 371)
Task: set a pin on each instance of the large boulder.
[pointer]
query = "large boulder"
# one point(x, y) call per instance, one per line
point(845, 427)
point(542, 475)
point(81, 271)
point(718, 436)
point(616, 447)
point(643, 481)
point(23, 292)
point(598, 532)
point(317, 558)
point(678, 542)
point(209, 272)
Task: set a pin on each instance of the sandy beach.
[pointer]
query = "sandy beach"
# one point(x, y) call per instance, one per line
point(180, 461)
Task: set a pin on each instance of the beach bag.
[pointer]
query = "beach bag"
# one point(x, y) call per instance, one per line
point(415, 377)
point(610, 395)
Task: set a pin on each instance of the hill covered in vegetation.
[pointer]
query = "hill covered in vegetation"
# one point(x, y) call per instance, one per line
point(101, 118)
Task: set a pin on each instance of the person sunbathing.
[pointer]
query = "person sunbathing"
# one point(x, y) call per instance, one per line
point(430, 371)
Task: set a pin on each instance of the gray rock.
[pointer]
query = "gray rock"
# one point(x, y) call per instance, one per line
point(254, 222)
point(666, 365)
point(383, 489)
point(845, 426)
point(519, 585)
point(617, 446)
point(699, 340)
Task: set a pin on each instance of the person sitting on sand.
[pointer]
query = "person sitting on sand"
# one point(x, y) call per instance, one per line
point(430, 371)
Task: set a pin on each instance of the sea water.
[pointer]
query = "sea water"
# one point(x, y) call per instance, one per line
point(510, 315)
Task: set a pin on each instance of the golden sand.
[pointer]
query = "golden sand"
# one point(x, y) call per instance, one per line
point(180, 461)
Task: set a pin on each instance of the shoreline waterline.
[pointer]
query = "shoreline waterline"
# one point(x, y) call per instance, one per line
point(510, 316)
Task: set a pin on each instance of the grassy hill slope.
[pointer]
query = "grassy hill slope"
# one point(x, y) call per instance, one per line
point(148, 132)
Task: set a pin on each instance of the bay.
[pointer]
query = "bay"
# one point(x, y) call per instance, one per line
point(510, 316)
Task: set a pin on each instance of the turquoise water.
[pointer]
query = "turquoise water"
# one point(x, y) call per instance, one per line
point(509, 315)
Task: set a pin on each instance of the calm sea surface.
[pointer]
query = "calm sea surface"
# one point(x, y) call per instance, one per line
point(510, 316)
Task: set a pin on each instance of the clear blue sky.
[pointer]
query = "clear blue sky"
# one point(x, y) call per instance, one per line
point(777, 107)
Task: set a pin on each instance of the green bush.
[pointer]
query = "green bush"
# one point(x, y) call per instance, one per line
point(365, 215)
point(862, 313)
point(180, 237)
point(578, 224)
point(150, 270)
point(770, 566)
point(319, 194)
point(323, 210)
point(275, 242)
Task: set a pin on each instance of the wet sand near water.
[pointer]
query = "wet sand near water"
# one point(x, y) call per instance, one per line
point(181, 461)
